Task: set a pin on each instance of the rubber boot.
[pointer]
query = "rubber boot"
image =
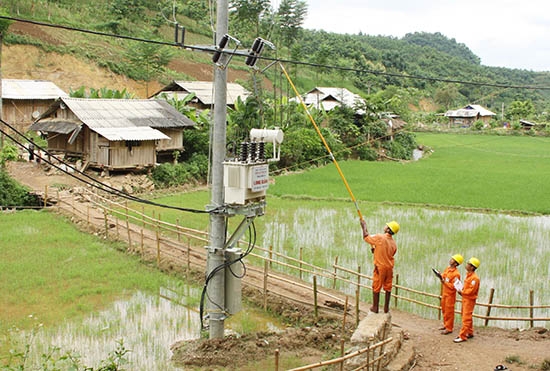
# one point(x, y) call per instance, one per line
point(387, 302)
point(375, 302)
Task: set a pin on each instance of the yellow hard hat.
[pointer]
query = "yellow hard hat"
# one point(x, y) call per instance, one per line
point(475, 262)
point(458, 258)
point(393, 226)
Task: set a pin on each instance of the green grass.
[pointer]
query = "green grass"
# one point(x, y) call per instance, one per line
point(471, 171)
point(51, 270)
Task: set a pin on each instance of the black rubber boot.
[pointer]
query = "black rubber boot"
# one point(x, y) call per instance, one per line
point(387, 302)
point(375, 302)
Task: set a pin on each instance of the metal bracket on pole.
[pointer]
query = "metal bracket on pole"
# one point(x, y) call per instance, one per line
point(239, 232)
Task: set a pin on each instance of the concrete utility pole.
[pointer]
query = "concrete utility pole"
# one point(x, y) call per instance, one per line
point(216, 250)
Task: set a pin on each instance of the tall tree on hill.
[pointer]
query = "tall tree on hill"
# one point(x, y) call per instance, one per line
point(290, 18)
point(246, 18)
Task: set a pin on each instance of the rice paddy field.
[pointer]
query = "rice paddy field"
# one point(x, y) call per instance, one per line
point(483, 196)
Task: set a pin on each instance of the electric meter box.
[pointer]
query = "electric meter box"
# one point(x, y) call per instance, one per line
point(245, 182)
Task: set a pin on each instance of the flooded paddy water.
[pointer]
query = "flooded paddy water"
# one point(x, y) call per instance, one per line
point(514, 250)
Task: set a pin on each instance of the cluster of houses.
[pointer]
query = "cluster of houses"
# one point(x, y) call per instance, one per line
point(110, 134)
point(122, 134)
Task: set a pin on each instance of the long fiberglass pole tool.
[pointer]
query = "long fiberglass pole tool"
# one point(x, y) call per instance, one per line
point(324, 142)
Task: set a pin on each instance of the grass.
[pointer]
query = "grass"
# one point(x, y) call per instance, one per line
point(470, 171)
point(51, 270)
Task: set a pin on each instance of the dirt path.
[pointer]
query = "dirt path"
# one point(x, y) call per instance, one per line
point(490, 347)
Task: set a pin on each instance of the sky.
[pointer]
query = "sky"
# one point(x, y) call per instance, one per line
point(502, 33)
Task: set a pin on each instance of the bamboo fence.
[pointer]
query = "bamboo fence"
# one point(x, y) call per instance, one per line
point(177, 245)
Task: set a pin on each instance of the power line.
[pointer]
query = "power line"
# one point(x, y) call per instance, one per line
point(85, 178)
point(287, 61)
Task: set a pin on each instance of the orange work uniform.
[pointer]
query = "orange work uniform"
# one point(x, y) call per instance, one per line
point(469, 296)
point(384, 249)
point(448, 296)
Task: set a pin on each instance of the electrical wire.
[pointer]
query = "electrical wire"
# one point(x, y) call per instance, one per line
point(252, 233)
point(87, 178)
point(285, 61)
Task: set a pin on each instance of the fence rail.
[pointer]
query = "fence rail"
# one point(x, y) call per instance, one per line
point(167, 239)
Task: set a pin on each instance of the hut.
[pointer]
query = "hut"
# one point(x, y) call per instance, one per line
point(465, 117)
point(328, 98)
point(203, 91)
point(113, 134)
point(24, 100)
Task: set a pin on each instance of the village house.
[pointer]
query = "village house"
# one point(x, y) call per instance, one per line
point(23, 101)
point(204, 93)
point(324, 98)
point(465, 117)
point(113, 134)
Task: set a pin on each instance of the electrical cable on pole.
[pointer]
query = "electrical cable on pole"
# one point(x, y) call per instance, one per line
point(323, 140)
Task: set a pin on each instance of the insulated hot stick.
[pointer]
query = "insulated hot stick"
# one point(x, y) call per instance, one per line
point(324, 142)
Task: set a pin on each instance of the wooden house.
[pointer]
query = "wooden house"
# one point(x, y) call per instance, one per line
point(324, 98)
point(113, 134)
point(24, 100)
point(465, 117)
point(204, 92)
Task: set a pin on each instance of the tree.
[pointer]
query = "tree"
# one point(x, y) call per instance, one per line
point(246, 17)
point(147, 61)
point(290, 18)
point(520, 109)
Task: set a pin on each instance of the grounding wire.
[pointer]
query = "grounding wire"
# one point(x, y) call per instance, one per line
point(286, 61)
point(92, 182)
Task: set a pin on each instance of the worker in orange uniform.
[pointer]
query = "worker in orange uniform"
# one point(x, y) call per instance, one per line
point(469, 295)
point(449, 280)
point(383, 247)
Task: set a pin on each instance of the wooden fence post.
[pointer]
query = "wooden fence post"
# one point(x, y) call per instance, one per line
point(178, 230)
point(142, 247)
point(106, 224)
point(396, 290)
point(344, 317)
point(266, 267)
point(301, 254)
point(491, 295)
point(128, 225)
point(158, 249)
point(335, 272)
point(342, 353)
point(276, 359)
point(45, 196)
point(357, 309)
point(270, 256)
point(358, 280)
point(315, 309)
point(532, 310)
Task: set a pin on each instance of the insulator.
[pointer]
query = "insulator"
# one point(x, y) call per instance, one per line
point(252, 151)
point(244, 152)
point(261, 151)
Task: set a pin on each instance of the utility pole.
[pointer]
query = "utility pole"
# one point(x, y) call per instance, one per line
point(216, 249)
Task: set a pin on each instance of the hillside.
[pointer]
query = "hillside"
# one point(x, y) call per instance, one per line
point(362, 63)
point(71, 71)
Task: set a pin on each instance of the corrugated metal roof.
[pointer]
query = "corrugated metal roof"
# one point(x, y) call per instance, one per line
point(30, 89)
point(330, 98)
point(122, 113)
point(131, 133)
point(471, 110)
point(55, 126)
point(204, 91)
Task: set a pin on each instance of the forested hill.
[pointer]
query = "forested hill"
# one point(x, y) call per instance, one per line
point(418, 67)
point(440, 42)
